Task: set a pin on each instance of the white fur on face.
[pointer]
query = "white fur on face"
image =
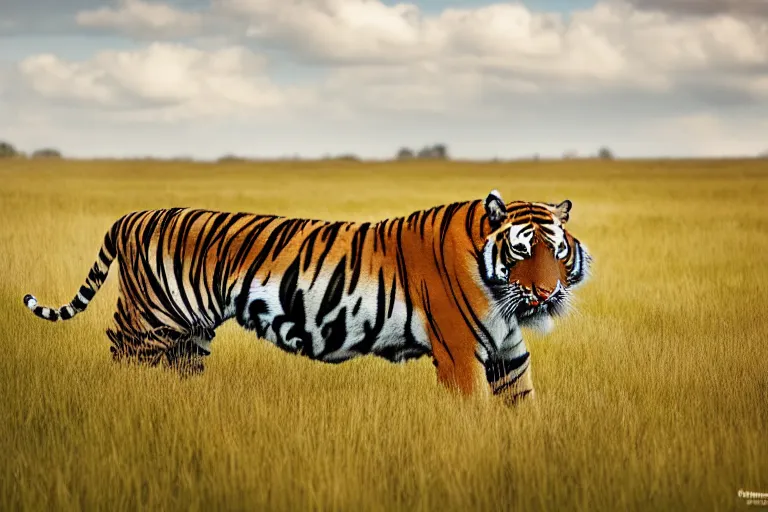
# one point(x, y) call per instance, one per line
point(543, 324)
point(521, 243)
point(521, 240)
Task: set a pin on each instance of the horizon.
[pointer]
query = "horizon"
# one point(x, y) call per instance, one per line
point(352, 158)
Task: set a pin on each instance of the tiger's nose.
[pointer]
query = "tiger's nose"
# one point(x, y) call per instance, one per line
point(541, 294)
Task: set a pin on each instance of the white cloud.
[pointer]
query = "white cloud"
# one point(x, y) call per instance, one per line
point(166, 82)
point(336, 30)
point(141, 18)
point(508, 38)
point(611, 45)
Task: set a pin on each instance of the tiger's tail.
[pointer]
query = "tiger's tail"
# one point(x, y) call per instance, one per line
point(93, 282)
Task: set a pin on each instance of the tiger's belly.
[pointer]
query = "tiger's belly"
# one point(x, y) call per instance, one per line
point(321, 321)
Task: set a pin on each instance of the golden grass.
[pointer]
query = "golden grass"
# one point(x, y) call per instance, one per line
point(652, 396)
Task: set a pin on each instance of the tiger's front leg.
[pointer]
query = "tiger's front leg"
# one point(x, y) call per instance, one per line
point(459, 369)
point(511, 379)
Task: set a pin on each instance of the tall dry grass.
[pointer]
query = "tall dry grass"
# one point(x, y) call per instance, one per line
point(652, 395)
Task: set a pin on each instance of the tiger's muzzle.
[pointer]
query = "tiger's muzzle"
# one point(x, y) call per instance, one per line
point(538, 302)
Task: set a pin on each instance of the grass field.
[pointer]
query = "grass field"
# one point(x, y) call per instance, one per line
point(653, 395)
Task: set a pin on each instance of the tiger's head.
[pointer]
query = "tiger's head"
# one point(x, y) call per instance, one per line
point(530, 261)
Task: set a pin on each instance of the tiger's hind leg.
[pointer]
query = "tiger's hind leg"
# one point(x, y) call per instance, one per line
point(133, 340)
point(189, 351)
point(136, 347)
point(180, 351)
point(176, 347)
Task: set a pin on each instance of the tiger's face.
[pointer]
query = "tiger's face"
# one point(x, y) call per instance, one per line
point(530, 261)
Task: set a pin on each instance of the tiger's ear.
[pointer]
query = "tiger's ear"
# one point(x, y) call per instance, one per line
point(562, 210)
point(495, 208)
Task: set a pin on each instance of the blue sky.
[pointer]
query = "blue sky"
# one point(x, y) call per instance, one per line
point(278, 77)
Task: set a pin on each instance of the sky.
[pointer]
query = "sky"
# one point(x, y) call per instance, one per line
point(490, 79)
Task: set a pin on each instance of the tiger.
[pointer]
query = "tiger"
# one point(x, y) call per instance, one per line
point(456, 282)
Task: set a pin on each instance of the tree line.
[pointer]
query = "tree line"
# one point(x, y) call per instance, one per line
point(436, 152)
point(8, 150)
point(433, 152)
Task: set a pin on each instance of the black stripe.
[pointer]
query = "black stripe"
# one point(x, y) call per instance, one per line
point(478, 324)
point(308, 246)
point(469, 225)
point(54, 315)
point(412, 218)
point(392, 293)
point(333, 292)
point(356, 309)
point(496, 370)
point(432, 324)
point(331, 231)
point(87, 292)
point(109, 241)
point(423, 222)
point(96, 275)
point(381, 227)
point(104, 258)
point(358, 243)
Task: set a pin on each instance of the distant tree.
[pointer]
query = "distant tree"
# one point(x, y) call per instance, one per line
point(230, 158)
point(440, 151)
point(436, 152)
point(348, 157)
point(8, 150)
point(405, 154)
point(605, 154)
point(46, 153)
